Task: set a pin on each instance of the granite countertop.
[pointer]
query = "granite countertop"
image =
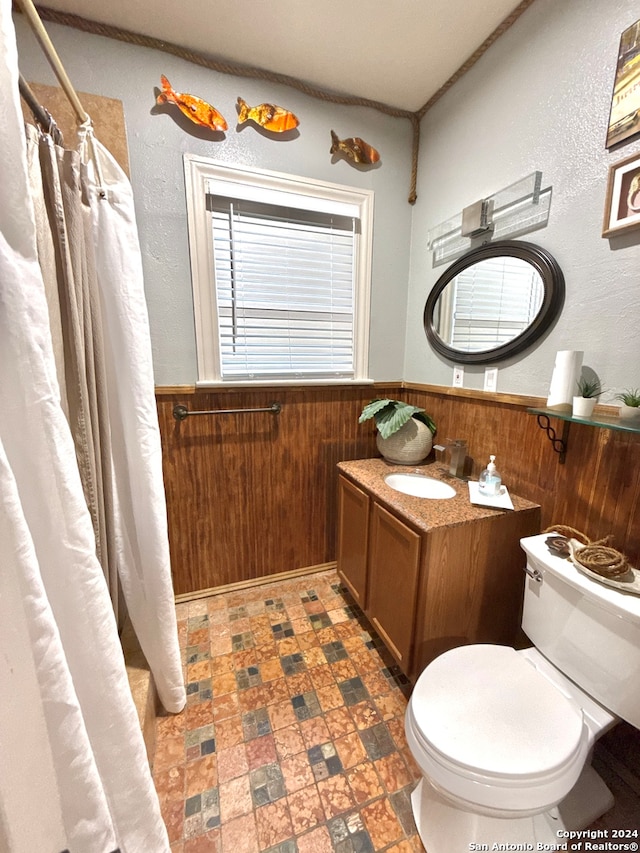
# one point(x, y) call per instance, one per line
point(423, 513)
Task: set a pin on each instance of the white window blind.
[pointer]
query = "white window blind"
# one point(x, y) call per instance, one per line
point(494, 302)
point(281, 275)
point(284, 289)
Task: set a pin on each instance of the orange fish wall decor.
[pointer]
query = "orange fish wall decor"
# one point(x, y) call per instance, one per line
point(199, 111)
point(268, 116)
point(356, 149)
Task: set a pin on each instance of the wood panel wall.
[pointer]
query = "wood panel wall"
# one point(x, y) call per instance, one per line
point(596, 490)
point(252, 495)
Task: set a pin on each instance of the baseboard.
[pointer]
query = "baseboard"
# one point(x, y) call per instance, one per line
point(251, 582)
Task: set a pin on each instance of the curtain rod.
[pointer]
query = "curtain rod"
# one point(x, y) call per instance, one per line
point(54, 60)
point(42, 116)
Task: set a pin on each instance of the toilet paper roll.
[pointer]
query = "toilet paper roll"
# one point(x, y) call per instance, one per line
point(566, 373)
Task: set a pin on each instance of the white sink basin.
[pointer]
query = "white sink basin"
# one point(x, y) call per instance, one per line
point(420, 486)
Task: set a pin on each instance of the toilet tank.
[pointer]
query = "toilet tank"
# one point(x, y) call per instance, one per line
point(587, 630)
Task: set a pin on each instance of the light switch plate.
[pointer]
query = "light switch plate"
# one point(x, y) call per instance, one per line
point(491, 379)
point(458, 376)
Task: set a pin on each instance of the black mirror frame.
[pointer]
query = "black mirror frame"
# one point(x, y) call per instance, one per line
point(553, 300)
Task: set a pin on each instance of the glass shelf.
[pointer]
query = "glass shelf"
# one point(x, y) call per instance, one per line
point(602, 421)
point(605, 421)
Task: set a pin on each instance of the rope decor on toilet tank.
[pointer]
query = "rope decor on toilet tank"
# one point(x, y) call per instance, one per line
point(596, 558)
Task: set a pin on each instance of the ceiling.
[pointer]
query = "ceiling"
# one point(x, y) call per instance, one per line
point(398, 52)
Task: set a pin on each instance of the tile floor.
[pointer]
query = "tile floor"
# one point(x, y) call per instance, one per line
point(292, 740)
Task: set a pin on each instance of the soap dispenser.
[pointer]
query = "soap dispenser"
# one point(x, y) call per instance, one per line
point(490, 481)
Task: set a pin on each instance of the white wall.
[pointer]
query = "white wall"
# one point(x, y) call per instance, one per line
point(157, 143)
point(538, 99)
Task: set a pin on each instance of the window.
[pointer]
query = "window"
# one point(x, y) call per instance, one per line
point(280, 271)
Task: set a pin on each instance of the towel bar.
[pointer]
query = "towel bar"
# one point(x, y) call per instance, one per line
point(180, 413)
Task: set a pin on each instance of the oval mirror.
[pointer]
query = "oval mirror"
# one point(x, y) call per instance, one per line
point(494, 302)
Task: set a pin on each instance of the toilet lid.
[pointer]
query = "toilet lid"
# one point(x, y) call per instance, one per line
point(486, 708)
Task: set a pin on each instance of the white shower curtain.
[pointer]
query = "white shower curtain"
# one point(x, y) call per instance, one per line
point(73, 768)
point(141, 522)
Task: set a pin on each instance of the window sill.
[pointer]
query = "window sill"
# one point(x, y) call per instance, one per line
point(278, 383)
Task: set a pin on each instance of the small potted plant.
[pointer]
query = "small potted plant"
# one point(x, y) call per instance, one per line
point(630, 399)
point(405, 432)
point(585, 400)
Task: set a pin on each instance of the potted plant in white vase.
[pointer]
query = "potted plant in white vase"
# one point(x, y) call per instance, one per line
point(405, 432)
point(585, 400)
point(630, 399)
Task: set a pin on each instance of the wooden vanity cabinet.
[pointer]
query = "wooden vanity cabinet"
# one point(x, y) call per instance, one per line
point(353, 539)
point(426, 585)
point(379, 563)
point(394, 566)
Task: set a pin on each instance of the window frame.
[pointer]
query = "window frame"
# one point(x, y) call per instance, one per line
point(200, 172)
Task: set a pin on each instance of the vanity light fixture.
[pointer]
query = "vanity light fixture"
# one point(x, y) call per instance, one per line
point(517, 209)
point(477, 218)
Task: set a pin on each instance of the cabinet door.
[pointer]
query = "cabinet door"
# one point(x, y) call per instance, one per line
point(393, 582)
point(353, 533)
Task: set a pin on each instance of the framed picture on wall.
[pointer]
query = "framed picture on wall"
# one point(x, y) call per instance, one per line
point(622, 207)
point(624, 118)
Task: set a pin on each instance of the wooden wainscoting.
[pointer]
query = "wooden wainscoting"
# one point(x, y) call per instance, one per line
point(254, 494)
point(596, 490)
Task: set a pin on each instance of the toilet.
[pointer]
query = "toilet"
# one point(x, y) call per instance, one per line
point(504, 738)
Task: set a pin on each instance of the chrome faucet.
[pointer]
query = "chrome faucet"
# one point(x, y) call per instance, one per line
point(458, 455)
